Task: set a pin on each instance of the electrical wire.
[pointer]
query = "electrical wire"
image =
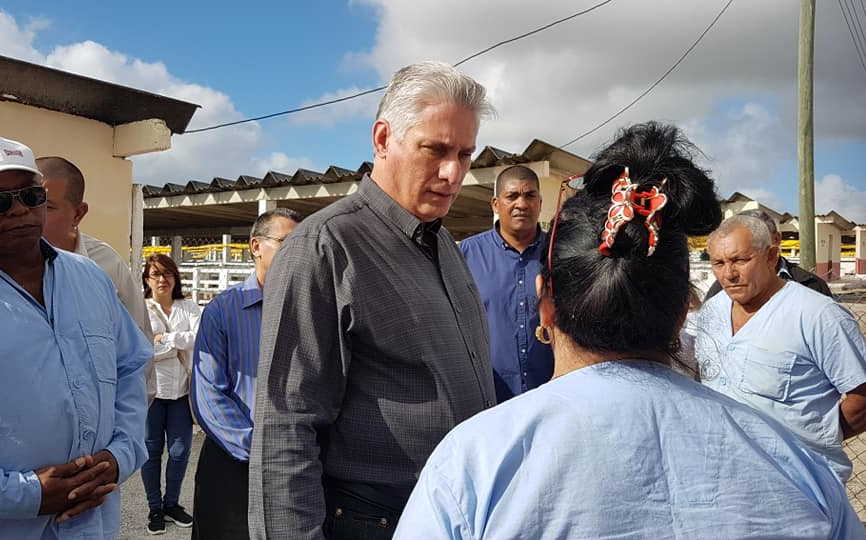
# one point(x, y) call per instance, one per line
point(658, 81)
point(859, 44)
point(380, 88)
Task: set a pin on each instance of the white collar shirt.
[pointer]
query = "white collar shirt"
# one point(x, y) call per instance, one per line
point(173, 356)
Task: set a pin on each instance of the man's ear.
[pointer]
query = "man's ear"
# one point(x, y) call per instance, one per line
point(773, 256)
point(494, 204)
point(255, 247)
point(80, 212)
point(381, 136)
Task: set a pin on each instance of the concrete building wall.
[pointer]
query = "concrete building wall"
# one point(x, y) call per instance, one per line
point(828, 248)
point(90, 145)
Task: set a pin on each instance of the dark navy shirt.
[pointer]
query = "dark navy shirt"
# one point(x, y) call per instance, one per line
point(506, 281)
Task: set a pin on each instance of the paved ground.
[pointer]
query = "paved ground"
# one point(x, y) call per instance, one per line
point(133, 514)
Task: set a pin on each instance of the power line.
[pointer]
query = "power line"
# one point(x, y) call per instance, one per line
point(380, 88)
point(856, 17)
point(853, 36)
point(652, 87)
point(861, 37)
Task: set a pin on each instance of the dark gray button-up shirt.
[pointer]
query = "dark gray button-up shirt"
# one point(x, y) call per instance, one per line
point(370, 354)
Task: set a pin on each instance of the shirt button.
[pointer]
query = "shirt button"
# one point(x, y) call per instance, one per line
point(520, 282)
point(525, 374)
point(521, 326)
point(87, 434)
point(521, 303)
point(523, 351)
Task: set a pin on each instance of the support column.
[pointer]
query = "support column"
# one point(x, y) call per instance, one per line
point(227, 239)
point(860, 250)
point(176, 251)
point(154, 241)
point(136, 228)
point(266, 206)
point(823, 250)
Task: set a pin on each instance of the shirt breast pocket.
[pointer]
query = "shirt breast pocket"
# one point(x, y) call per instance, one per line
point(103, 353)
point(767, 373)
point(103, 359)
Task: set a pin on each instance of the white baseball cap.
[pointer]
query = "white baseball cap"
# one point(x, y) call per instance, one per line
point(15, 156)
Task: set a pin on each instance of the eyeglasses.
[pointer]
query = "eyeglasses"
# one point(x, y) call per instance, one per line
point(156, 275)
point(31, 197)
point(572, 183)
point(274, 238)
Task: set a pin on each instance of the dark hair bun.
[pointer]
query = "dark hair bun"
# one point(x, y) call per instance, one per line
point(653, 152)
point(628, 301)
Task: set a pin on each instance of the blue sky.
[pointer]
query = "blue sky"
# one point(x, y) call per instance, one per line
point(734, 96)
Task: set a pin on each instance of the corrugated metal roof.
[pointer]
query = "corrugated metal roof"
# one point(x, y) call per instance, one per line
point(488, 157)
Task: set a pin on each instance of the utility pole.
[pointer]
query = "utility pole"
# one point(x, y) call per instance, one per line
point(805, 139)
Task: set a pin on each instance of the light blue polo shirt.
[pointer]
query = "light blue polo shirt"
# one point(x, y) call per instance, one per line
point(793, 360)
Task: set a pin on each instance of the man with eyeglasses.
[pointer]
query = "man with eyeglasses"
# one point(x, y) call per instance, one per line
point(72, 394)
point(223, 387)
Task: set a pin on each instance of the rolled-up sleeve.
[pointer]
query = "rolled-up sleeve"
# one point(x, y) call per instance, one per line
point(20, 494)
point(301, 382)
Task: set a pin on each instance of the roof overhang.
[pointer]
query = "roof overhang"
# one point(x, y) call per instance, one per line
point(113, 104)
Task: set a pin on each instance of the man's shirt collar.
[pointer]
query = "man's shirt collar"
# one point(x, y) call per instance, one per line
point(500, 240)
point(383, 204)
point(48, 251)
point(252, 293)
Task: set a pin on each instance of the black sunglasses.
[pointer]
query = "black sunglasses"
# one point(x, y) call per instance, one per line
point(31, 197)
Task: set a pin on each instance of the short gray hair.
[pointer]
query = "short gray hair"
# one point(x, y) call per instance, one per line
point(765, 217)
point(761, 238)
point(426, 83)
point(262, 225)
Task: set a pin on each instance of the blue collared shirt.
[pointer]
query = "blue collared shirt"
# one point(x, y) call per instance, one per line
point(625, 450)
point(793, 360)
point(506, 281)
point(225, 363)
point(72, 384)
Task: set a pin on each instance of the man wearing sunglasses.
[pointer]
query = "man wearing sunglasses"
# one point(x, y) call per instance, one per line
point(64, 183)
point(72, 394)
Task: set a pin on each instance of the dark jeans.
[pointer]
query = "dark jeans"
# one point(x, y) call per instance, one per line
point(350, 517)
point(221, 488)
point(168, 420)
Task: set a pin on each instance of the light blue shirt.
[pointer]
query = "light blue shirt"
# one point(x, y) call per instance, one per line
point(792, 360)
point(625, 450)
point(72, 384)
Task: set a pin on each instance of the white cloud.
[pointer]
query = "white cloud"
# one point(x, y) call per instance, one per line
point(328, 116)
point(832, 192)
point(561, 82)
point(279, 162)
point(227, 152)
point(743, 152)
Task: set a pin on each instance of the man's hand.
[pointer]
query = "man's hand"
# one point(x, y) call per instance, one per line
point(58, 481)
point(158, 338)
point(93, 492)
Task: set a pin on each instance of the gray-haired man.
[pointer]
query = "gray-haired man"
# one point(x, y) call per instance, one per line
point(784, 268)
point(374, 343)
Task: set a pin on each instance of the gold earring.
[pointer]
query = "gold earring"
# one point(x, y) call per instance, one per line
point(542, 334)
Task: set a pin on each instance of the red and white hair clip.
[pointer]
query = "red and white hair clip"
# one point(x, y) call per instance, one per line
point(625, 202)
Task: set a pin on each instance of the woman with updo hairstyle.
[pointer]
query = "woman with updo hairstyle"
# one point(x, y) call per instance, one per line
point(619, 444)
